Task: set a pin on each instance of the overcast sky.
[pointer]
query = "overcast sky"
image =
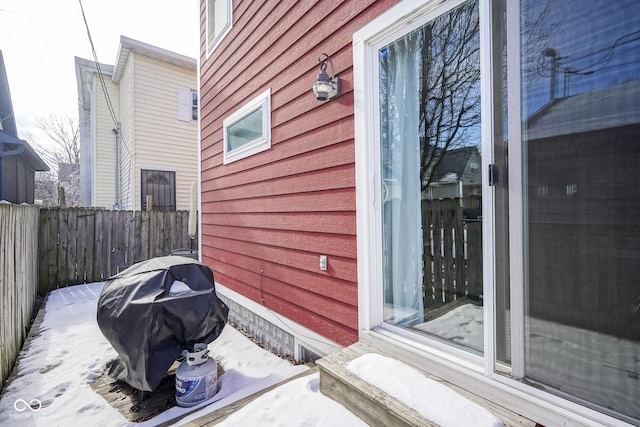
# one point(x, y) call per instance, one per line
point(39, 39)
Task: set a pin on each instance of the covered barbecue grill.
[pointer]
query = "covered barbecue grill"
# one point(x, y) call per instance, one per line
point(153, 311)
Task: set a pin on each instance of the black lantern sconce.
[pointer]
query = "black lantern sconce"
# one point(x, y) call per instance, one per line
point(326, 87)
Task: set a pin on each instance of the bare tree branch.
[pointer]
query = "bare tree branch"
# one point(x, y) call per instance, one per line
point(450, 92)
point(62, 154)
point(64, 132)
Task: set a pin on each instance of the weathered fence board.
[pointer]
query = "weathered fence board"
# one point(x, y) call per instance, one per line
point(474, 258)
point(80, 245)
point(18, 276)
point(452, 253)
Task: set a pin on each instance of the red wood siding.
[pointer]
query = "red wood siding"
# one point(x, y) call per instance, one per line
point(266, 219)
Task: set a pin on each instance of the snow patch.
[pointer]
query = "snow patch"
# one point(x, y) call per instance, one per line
point(434, 401)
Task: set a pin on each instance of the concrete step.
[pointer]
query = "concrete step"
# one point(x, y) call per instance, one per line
point(376, 407)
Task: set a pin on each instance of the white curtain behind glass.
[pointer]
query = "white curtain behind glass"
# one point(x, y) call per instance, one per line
point(402, 220)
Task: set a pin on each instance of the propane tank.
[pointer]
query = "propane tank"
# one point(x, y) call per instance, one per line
point(196, 377)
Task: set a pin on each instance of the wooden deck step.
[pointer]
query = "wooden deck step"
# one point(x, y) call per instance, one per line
point(376, 407)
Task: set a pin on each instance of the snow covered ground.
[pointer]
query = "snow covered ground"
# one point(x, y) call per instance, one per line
point(53, 384)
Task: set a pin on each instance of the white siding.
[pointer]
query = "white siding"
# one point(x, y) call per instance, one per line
point(127, 120)
point(104, 144)
point(162, 141)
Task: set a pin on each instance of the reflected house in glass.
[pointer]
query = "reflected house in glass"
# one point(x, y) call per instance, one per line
point(458, 176)
point(582, 155)
point(593, 211)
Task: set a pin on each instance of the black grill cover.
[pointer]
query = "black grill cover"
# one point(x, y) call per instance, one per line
point(149, 325)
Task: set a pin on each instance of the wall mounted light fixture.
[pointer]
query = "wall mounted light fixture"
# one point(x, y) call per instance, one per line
point(326, 87)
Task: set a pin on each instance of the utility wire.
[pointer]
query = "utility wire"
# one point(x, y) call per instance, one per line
point(607, 54)
point(100, 76)
point(116, 123)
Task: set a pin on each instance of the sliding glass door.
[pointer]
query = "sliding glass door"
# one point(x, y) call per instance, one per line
point(579, 142)
point(507, 161)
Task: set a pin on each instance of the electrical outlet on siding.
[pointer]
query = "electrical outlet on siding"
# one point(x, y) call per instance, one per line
point(323, 262)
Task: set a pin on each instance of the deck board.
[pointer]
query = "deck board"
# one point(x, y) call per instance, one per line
point(138, 406)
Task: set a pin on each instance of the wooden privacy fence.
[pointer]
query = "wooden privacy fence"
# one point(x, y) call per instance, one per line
point(452, 253)
point(18, 278)
point(83, 245)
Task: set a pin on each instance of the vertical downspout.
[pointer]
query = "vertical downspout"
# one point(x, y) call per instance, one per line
point(117, 132)
point(87, 145)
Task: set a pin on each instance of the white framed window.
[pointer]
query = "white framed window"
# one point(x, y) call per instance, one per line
point(194, 106)
point(219, 22)
point(248, 130)
point(187, 105)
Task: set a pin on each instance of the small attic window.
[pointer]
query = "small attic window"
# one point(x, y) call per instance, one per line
point(219, 14)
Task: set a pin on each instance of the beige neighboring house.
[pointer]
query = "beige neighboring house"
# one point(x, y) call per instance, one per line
point(138, 128)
